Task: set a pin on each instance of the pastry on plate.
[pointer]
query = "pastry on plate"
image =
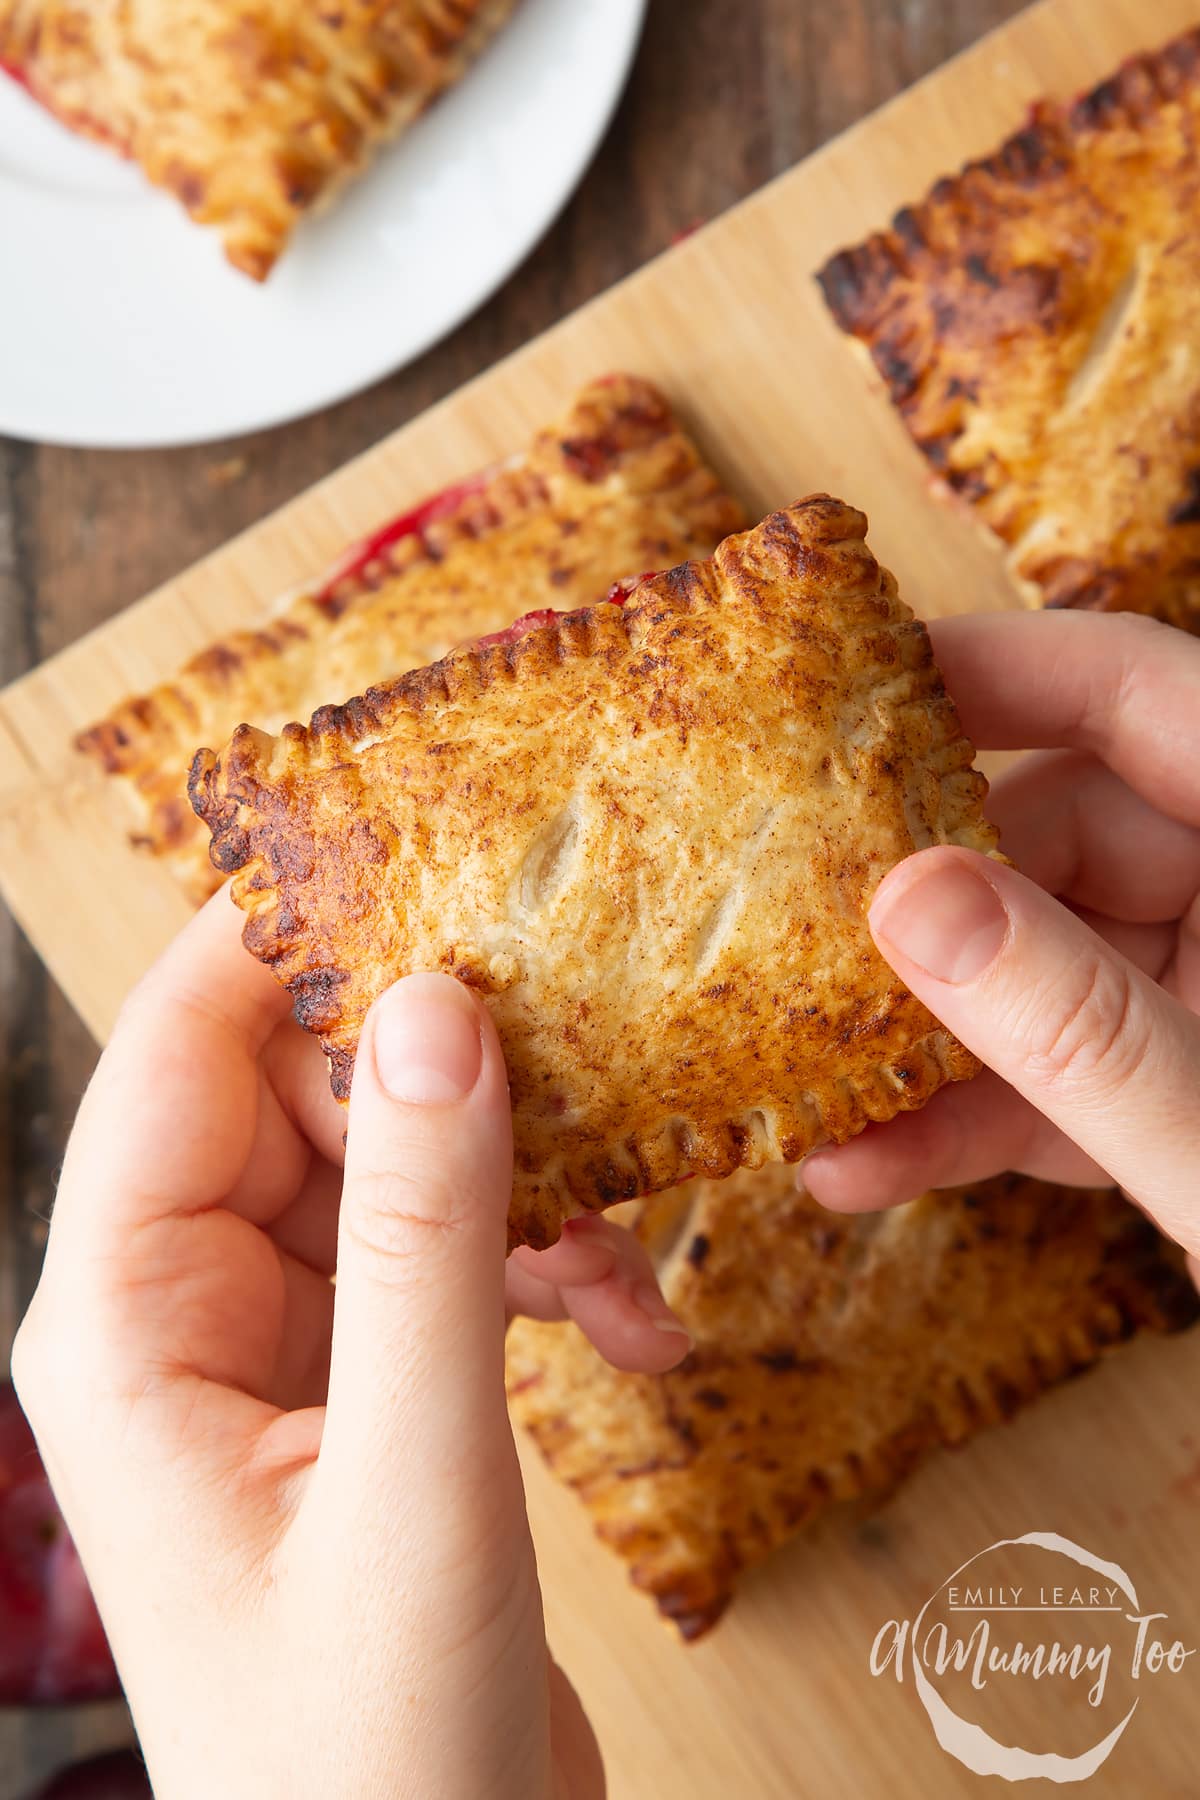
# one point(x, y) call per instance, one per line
point(613, 489)
point(647, 834)
point(831, 1353)
point(251, 112)
point(1034, 319)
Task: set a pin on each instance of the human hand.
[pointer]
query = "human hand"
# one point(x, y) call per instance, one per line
point(1083, 1006)
point(300, 1508)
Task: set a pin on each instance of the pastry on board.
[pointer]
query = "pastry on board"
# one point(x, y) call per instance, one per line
point(647, 834)
point(251, 112)
point(1034, 319)
point(831, 1353)
point(612, 489)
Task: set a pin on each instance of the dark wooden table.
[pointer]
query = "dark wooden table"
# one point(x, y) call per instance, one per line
point(725, 94)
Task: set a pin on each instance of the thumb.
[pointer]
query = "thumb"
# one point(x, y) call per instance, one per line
point(1072, 1025)
point(417, 1369)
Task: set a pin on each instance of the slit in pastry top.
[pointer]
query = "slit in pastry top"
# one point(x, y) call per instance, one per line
point(1034, 321)
point(647, 835)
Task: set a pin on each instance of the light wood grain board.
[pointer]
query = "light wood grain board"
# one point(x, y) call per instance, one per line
point(779, 1701)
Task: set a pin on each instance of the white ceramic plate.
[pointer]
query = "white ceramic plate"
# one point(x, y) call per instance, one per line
point(121, 324)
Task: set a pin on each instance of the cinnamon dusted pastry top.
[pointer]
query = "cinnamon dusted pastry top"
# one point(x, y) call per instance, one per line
point(648, 835)
point(612, 489)
point(251, 112)
point(831, 1353)
point(1034, 320)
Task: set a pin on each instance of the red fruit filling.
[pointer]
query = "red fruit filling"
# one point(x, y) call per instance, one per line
point(407, 525)
point(617, 595)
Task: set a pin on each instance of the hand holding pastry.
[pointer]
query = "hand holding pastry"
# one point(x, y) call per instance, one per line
point(269, 1479)
point(1078, 981)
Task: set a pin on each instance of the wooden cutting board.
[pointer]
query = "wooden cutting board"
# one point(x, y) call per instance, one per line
point(779, 1701)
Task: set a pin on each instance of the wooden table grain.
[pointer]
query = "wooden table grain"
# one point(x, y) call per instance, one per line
point(724, 94)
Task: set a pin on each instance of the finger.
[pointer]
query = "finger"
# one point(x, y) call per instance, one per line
point(578, 1764)
point(972, 1130)
point(307, 1227)
point(416, 1379)
point(600, 1275)
point(1084, 1036)
point(1123, 687)
point(535, 1279)
point(299, 1078)
point(276, 1163)
point(967, 1133)
point(1081, 832)
point(527, 1297)
point(1182, 975)
point(298, 1121)
point(168, 1120)
point(1149, 948)
point(168, 1308)
point(298, 1375)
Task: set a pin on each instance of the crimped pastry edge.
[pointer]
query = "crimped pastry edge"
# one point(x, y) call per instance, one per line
point(254, 237)
point(616, 414)
point(614, 420)
point(646, 1161)
point(857, 285)
point(1150, 1291)
point(855, 280)
point(258, 261)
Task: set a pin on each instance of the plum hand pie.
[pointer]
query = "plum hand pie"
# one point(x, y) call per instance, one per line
point(612, 489)
point(251, 112)
point(1034, 320)
point(647, 835)
point(832, 1352)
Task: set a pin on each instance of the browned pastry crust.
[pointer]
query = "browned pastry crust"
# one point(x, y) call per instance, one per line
point(1035, 321)
point(615, 488)
point(251, 112)
point(648, 836)
point(832, 1353)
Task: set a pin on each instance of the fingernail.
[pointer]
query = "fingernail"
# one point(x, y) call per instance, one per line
point(649, 1301)
point(951, 922)
point(428, 1046)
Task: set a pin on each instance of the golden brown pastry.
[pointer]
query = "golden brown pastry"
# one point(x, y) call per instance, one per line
point(251, 112)
point(648, 836)
point(831, 1354)
point(613, 489)
point(1035, 322)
